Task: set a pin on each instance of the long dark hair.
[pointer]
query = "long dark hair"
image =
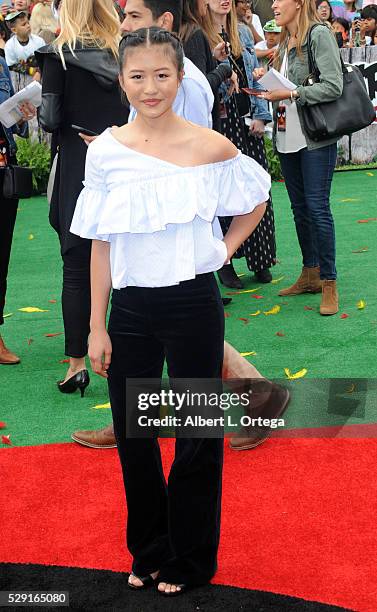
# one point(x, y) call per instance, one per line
point(190, 20)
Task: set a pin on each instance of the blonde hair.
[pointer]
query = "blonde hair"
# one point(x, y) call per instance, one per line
point(308, 16)
point(93, 23)
point(209, 27)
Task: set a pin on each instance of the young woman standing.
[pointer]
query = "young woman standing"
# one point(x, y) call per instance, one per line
point(152, 186)
point(243, 122)
point(308, 166)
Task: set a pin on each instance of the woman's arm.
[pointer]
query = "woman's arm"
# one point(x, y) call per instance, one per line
point(327, 58)
point(100, 279)
point(53, 77)
point(241, 228)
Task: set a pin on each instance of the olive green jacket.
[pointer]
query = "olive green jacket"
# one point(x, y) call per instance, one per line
point(330, 87)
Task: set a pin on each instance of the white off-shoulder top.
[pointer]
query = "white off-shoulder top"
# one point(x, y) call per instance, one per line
point(158, 216)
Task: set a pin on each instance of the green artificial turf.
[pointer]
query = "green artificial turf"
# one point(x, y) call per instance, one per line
point(328, 347)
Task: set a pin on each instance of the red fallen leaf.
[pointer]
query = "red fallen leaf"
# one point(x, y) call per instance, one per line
point(280, 334)
point(246, 321)
point(29, 341)
point(64, 361)
point(53, 335)
point(367, 220)
point(6, 440)
point(227, 315)
point(344, 316)
point(308, 308)
point(257, 297)
point(52, 301)
point(3, 425)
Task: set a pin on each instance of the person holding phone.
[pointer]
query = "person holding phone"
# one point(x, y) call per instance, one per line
point(243, 119)
point(79, 87)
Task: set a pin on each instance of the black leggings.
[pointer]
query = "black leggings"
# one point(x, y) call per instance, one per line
point(171, 527)
point(76, 299)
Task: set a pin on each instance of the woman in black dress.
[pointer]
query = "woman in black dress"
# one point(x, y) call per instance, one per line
point(80, 87)
point(259, 249)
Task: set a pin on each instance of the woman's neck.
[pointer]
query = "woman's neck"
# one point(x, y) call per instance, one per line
point(219, 21)
point(156, 129)
point(292, 28)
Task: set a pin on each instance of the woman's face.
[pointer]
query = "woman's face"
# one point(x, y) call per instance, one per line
point(150, 80)
point(202, 6)
point(220, 7)
point(337, 27)
point(323, 11)
point(286, 11)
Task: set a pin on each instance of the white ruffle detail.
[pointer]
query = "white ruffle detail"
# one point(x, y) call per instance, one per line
point(89, 209)
point(175, 196)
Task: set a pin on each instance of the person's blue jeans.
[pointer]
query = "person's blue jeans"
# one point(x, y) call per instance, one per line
point(308, 175)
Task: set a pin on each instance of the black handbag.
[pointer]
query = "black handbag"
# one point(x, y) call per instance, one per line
point(349, 113)
point(17, 182)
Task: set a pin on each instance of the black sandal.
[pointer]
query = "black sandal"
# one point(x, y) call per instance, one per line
point(147, 581)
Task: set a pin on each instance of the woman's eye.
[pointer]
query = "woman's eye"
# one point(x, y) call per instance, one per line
point(162, 76)
point(137, 77)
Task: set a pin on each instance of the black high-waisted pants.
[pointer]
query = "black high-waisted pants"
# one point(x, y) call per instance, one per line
point(173, 527)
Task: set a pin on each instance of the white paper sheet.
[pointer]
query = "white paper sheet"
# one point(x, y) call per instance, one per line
point(9, 111)
point(274, 80)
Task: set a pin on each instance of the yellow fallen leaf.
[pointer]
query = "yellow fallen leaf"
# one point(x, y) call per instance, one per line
point(273, 310)
point(369, 173)
point(299, 374)
point(254, 314)
point(240, 275)
point(351, 389)
point(248, 354)
point(10, 314)
point(31, 309)
point(277, 280)
point(350, 200)
point(361, 304)
point(102, 406)
point(249, 290)
point(31, 237)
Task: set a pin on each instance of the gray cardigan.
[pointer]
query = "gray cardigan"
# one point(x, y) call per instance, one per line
point(330, 87)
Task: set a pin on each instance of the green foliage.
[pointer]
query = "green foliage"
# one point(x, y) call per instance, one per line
point(35, 155)
point(273, 161)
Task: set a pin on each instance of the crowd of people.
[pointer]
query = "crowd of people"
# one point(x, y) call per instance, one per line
point(176, 186)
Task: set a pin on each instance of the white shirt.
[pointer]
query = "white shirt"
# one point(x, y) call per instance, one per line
point(14, 52)
point(158, 216)
point(194, 100)
point(293, 139)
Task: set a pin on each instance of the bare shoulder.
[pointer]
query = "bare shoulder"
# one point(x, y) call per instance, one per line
point(213, 147)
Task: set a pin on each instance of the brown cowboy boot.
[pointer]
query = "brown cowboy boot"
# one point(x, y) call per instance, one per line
point(99, 438)
point(6, 356)
point(308, 282)
point(329, 304)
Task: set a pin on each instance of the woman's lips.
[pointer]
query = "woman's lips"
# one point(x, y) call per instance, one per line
point(153, 102)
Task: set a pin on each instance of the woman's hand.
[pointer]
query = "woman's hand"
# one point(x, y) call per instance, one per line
point(258, 73)
point(274, 96)
point(221, 51)
point(234, 85)
point(27, 110)
point(99, 352)
point(257, 128)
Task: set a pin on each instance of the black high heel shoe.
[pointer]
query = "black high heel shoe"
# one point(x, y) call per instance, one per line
point(78, 381)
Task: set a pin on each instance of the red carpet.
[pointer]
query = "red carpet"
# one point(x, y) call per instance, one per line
point(298, 515)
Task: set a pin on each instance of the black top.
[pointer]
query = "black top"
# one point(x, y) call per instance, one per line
point(85, 94)
point(198, 50)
